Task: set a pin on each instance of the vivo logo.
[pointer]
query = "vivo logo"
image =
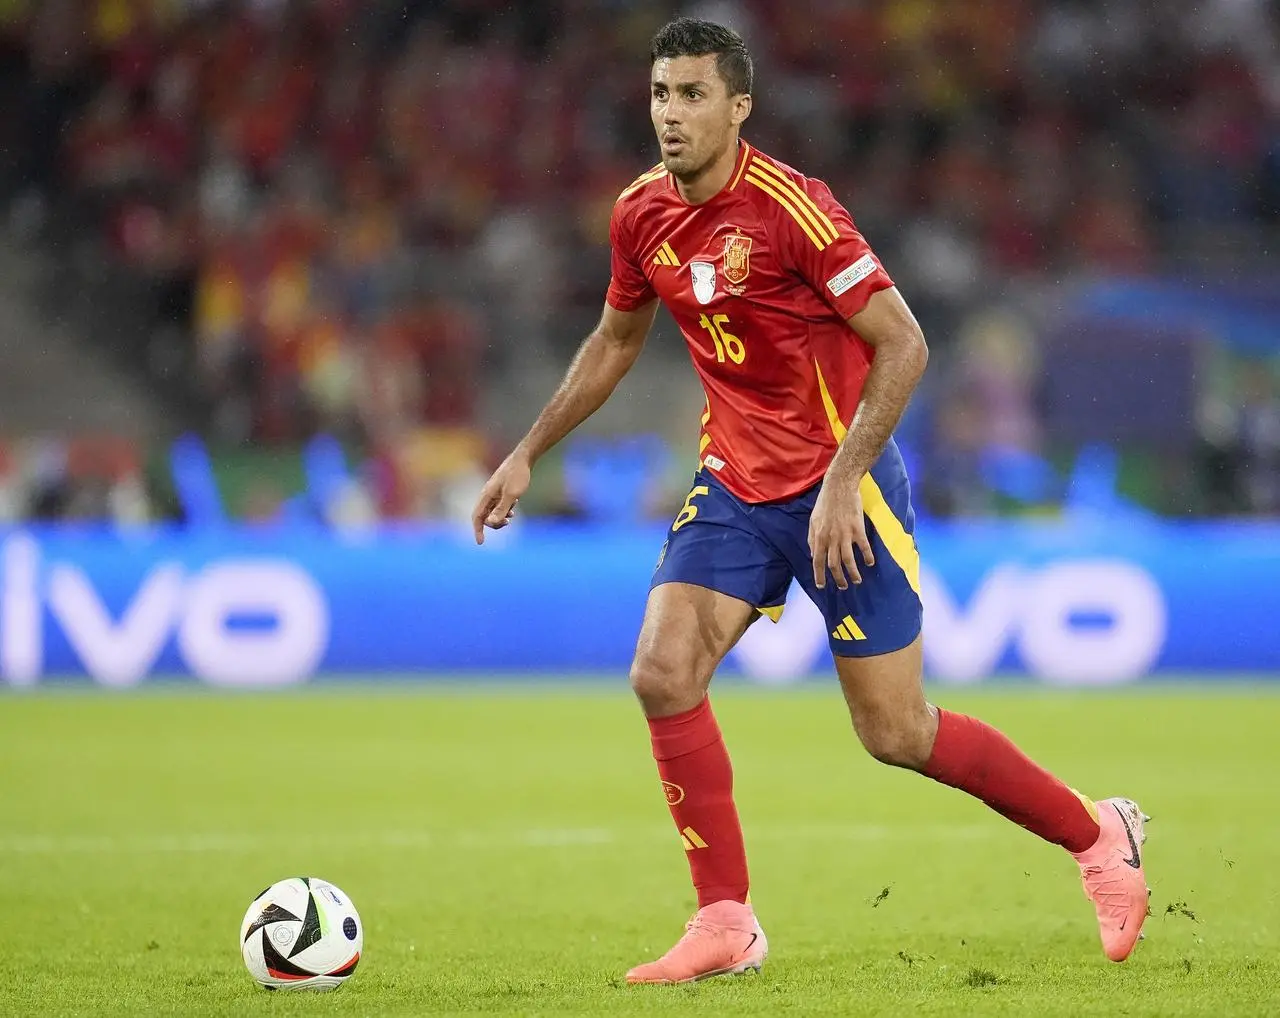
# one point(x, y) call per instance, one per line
point(203, 610)
point(1082, 622)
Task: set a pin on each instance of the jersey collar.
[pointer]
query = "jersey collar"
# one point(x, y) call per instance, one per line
point(743, 156)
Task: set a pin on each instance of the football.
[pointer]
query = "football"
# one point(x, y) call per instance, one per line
point(301, 934)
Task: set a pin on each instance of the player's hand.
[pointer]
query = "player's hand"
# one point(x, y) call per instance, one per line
point(497, 502)
point(836, 527)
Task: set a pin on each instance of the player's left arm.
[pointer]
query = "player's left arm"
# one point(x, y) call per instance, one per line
point(888, 325)
point(837, 524)
point(822, 243)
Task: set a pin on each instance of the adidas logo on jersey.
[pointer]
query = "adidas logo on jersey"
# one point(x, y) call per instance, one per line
point(666, 255)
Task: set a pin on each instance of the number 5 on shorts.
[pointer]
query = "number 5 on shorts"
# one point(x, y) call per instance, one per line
point(688, 511)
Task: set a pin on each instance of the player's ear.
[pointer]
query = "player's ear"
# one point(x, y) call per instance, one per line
point(741, 109)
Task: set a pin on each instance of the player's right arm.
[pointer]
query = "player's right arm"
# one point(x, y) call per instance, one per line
point(604, 357)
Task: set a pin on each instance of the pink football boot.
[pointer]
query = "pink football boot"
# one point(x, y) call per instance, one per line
point(1112, 875)
point(722, 938)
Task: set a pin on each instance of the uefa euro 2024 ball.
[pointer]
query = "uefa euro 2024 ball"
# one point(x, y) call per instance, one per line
point(301, 934)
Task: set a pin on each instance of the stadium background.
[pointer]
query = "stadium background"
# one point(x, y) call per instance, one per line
point(282, 281)
point(279, 283)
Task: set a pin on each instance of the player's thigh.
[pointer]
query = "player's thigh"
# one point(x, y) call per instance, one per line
point(687, 631)
point(715, 573)
point(885, 694)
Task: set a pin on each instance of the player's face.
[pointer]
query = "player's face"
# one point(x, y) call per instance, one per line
point(694, 115)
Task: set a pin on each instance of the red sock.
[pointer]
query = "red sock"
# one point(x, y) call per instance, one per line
point(971, 755)
point(698, 781)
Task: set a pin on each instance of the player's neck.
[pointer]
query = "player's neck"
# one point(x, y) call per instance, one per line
point(713, 179)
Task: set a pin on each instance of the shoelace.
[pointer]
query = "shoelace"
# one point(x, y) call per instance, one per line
point(1109, 889)
point(693, 927)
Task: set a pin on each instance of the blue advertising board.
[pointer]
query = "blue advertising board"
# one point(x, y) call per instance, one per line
point(1090, 602)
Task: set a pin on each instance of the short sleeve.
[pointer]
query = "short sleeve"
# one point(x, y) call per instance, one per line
point(828, 251)
point(629, 288)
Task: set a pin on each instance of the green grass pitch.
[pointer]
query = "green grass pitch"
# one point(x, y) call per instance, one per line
point(510, 851)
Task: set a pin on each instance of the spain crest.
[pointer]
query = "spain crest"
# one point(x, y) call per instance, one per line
point(737, 258)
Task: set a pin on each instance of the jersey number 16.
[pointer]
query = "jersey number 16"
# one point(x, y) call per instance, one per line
point(727, 344)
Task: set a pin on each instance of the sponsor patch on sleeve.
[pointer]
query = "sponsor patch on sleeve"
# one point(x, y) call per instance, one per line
point(851, 276)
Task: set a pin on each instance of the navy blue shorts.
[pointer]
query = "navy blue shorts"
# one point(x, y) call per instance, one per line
point(752, 552)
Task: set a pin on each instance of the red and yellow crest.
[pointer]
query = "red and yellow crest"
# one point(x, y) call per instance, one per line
point(737, 258)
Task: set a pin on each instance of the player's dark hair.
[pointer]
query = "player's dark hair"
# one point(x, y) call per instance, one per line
point(693, 37)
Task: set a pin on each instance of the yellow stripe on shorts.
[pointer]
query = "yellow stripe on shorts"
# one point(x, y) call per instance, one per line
point(901, 545)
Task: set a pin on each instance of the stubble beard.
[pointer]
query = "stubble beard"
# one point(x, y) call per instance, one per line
point(677, 166)
point(684, 169)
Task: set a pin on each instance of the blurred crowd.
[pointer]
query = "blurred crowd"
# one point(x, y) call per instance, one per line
point(362, 211)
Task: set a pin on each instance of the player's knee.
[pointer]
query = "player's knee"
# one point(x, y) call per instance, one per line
point(663, 683)
point(897, 741)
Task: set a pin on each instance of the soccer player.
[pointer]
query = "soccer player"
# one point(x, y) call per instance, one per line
point(808, 355)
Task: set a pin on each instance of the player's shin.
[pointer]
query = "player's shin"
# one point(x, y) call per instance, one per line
point(971, 755)
point(697, 779)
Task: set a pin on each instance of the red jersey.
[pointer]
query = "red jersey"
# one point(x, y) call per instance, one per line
point(760, 280)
